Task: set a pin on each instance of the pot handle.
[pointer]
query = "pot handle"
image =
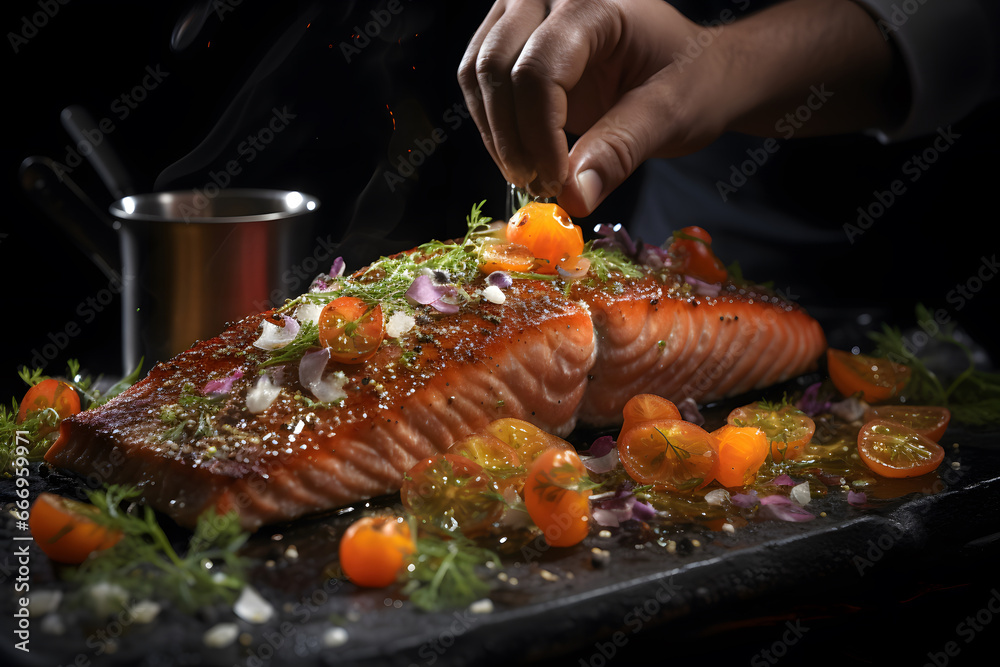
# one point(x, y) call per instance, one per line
point(80, 125)
point(74, 213)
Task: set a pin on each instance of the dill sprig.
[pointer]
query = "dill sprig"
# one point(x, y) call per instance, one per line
point(973, 396)
point(445, 572)
point(145, 562)
point(307, 337)
point(605, 261)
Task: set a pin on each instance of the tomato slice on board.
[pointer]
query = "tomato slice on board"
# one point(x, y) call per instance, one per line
point(373, 550)
point(527, 440)
point(451, 493)
point(548, 232)
point(555, 499)
point(351, 328)
point(648, 407)
point(669, 453)
point(505, 257)
point(787, 428)
point(49, 393)
point(692, 250)
point(495, 456)
point(875, 378)
point(66, 530)
point(742, 451)
point(893, 450)
point(930, 421)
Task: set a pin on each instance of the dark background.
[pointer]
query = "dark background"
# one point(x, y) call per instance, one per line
point(355, 120)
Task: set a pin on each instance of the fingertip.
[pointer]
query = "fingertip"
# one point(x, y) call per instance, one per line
point(583, 193)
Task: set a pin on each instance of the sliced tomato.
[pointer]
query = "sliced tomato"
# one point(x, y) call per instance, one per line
point(742, 451)
point(505, 257)
point(648, 407)
point(495, 456)
point(876, 379)
point(351, 328)
point(50, 393)
point(556, 499)
point(669, 453)
point(548, 232)
point(451, 493)
point(930, 421)
point(67, 531)
point(693, 255)
point(373, 550)
point(787, 428)
point(893, 450)
point(525, 438)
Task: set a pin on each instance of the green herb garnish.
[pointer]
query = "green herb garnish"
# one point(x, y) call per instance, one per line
point(445, 572)
point(145, 562)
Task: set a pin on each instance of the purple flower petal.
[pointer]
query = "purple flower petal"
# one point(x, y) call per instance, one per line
point(810, 402)
point(782, 508)
point(601, 446)
point(223, 385)
point(690, 412)
point(783, 480)
point(602, 464)
point(745, 500)
point(426, 292)
point(337, 270)
point(702, 288)
point(856, 498)
point(643, 511)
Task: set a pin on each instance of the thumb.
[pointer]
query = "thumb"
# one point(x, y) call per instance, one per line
point(650, 120)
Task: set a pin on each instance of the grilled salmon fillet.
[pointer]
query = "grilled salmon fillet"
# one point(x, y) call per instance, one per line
point(554, 353)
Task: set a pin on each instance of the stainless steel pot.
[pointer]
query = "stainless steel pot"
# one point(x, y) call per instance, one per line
point(191, 262)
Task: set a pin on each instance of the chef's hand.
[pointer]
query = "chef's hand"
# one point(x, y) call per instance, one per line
point(635, 79)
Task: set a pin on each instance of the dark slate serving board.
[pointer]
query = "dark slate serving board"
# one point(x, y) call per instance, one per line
point(769, 590)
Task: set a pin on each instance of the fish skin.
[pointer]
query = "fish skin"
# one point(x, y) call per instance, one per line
point(554, 359)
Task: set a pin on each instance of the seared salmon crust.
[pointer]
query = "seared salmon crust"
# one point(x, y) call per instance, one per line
point(554, 356)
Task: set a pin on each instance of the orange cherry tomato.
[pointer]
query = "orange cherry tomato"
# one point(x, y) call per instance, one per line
point(548, 232)
point(373, 550)
point(876, 379)
point(787, 428)
point(555, 500)
point(527, 440)
point(742, 451)
point(930, 421)
point(452, 493)
point(351, 329)
point(648, 407)
point(692, 250)
point(67, 531)
point(505, 257)
point(49, 393)
point(669, 453)
point(495, 456)
point(893, 450)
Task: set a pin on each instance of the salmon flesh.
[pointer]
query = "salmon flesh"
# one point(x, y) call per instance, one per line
point(548, 350)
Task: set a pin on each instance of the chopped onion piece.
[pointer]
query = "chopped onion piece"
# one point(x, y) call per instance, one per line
point(308, 312)
point(716, 496)
point(856, 498)
point(274, 337)
point(783, 480)
point(701, 288)
point(690, 412)
point(499, 279)
point(745, 500)
point(311, 367)
point(398, 324)
point(602, 464)
point(262, 394)
point(493, 294)
point(337, 270)
point(800, 493)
